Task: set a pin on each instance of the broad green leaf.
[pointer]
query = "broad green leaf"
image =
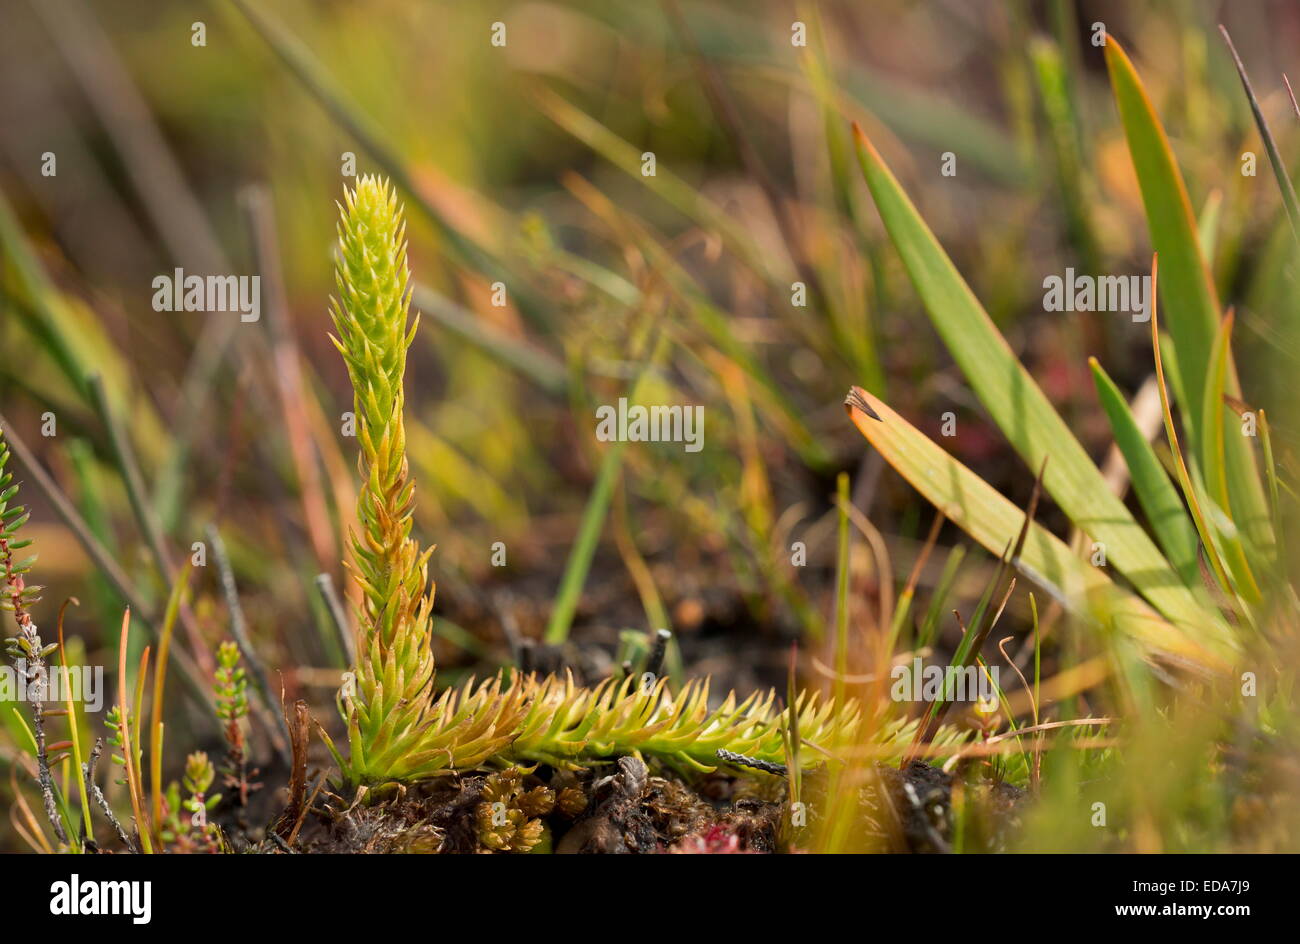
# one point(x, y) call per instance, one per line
point(1159, 499)
point(1207, 225)
point(1186, 285)
point(1018, 406)
point(989, 518)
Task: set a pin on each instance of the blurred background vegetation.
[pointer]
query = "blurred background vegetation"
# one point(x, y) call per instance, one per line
point(521, 165)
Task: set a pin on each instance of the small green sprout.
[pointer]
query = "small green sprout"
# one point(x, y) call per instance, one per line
point(231, 691)
point(231, 685)
point(193, 833)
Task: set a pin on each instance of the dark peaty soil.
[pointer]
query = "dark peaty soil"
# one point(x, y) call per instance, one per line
point(626, 808)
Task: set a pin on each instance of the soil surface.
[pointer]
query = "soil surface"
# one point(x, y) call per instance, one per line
point(628, 808)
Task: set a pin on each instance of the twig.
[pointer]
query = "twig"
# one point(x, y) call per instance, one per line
point(30, 661)
point(655, 664)
point(306, 808)
point(37, 693)
point(740, 760)
point(338, 618)
point(1294, 104)
point(256, 202)
point(88, 770)
point(102, 559)
point(298, 737)
point(145, 517)
point(131, 478)
point(1049, 726)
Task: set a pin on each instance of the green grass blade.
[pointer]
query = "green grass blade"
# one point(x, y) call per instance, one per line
point(1063, 127)
point(1208, 224)
point(1018, 405)
point(942, 589)
point(842, 587)
point(593, 518)
point(1275, 505)
point(993, 521)
point(315, 78)
point(1186, 284)
point(1213, 462)
point(1274, 157)
point(584, 548)
point(1155, 492)
point(1185, 480)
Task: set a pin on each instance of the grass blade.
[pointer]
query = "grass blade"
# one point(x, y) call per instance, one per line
point(842, 587)
point(979, 510)
point(593, 520)
point(179, 588)
point(538, 366)
point(1017, 404)
point(317, 81)
point(1063, 127)
point(1184, 477)
point(73, 727)
point(1189, 290)
point(1274, 157)
point(1213, 459)
point(584, 548)
point(1155, 493)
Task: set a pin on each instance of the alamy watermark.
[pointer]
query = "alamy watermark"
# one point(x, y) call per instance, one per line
point(683, 424)
point(234, 293)
point(914, 681)
point(133, 899)
point(1130, 294)
point(81, 683)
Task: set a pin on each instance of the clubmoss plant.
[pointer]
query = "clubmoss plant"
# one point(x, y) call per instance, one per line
point(399, 730)
point(395, 728)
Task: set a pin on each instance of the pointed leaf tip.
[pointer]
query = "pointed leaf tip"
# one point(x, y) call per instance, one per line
point(857, 400)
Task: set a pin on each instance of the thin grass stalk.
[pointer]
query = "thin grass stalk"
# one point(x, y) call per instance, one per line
point(74, 732)
point(128, 752)
point(594, 514)
point(842, 587)
point(1274, 156)
point(159, 687)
